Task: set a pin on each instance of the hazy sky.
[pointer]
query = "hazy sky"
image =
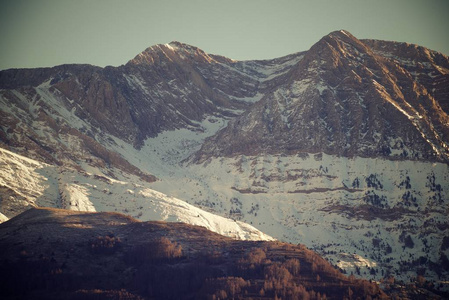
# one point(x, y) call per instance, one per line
point(42, 33)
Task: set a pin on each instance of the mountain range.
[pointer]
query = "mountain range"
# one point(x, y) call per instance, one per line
point(343, 148)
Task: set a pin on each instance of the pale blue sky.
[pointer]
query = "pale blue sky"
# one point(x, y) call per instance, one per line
point(44, 33)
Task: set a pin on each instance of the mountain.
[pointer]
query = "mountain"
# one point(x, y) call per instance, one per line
point(347, 155)
point(108, 254)
point(341, 99)
point(343, 148)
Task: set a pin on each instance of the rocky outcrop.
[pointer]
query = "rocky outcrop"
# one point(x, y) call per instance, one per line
point(429, 68)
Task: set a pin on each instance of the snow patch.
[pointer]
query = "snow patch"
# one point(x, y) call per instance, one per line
point(76, 197)
point(3, 218)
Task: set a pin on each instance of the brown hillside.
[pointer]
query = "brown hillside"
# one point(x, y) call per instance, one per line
point(54, 254)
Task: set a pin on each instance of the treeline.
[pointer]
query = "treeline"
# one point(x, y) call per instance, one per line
point(108, 267)
point(283, 272)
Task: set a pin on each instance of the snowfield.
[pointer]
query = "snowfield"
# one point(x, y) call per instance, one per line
point(42, 185)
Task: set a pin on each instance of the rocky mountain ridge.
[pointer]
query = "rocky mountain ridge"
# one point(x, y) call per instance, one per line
point(342, 99)
point(166, 87)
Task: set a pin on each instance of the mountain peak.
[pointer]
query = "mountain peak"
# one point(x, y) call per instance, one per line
point(172, 51)
point(182, 46)
point(341, 33)
point(338, 44)
point(341, 37)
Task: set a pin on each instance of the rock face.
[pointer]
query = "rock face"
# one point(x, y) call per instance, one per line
point(427, 67)
point(346, 99)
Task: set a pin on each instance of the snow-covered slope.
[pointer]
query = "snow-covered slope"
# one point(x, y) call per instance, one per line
point(29, 183)
point(341, 207)
point(23, 184)
point(3, 218)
